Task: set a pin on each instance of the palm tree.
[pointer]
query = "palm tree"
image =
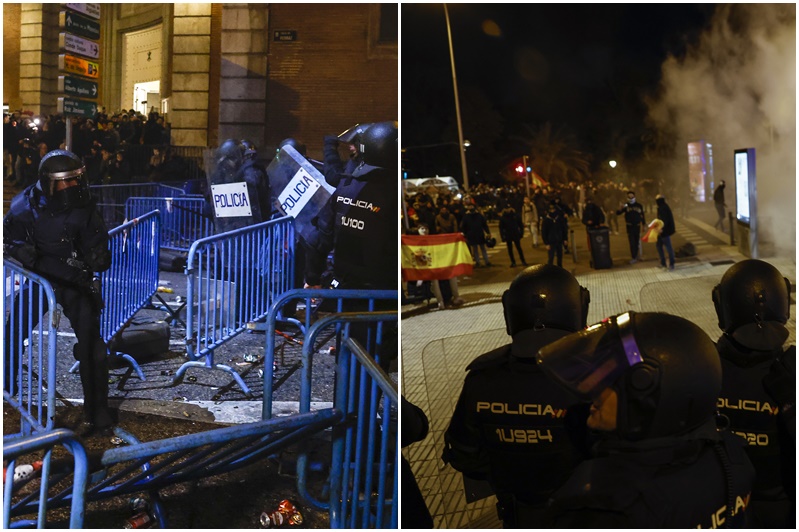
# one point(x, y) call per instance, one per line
point(553, 154)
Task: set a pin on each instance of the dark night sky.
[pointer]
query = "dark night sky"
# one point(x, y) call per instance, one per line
point(585, 67)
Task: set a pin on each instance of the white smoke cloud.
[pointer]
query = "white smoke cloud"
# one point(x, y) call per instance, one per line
point(736, 88)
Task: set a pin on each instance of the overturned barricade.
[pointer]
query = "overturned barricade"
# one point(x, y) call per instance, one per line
point(232, 280)
point(362, 485)
point(183, 218)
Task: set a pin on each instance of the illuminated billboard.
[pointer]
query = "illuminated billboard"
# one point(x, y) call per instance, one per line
point(744, 184)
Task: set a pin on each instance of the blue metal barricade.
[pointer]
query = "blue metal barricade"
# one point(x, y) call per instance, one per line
point(364, 467)
point(132, 280)
point(341, 300)
point(232, 280)
point(29, 374)
point(182, 219)
point(79, 471)
point(111, 198)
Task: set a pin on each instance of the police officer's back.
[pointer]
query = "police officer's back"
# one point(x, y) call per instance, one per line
point(254, 174)
point(54, 229)
point(752, 302)
point(359, 220)
point(660, 462)
point(508, 425)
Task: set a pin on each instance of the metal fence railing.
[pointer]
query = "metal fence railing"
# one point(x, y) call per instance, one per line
point(232, 280)
point(29, 349)
point(79, 469)
point(182, 219)
point(132, 280)
point(363, 489)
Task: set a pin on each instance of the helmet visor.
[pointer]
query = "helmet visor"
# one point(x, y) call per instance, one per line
point(589, 361)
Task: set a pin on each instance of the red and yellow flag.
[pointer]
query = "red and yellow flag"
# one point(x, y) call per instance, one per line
point(429, 257)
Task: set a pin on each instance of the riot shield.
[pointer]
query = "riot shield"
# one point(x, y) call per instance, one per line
point(234, 201)
point(299, 188)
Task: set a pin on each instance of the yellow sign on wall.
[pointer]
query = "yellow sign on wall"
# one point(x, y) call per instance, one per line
point(76, 65)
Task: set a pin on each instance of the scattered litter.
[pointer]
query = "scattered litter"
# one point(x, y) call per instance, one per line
point(140, 520)
point(191, 378)
point(186, 414)
point(166, 372)
point(251, 357)
point(286, 514)
point(165, 290)
point(116, 440)
point(179, 398)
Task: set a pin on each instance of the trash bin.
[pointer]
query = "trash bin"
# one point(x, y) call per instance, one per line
point(600, 248)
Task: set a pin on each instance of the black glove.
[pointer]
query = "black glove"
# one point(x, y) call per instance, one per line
point(26, 254)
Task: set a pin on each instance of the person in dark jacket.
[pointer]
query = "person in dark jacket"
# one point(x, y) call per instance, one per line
point(661, 462)
point(509, 424)
point(446, 221)
point(511, 230)
point(664, 237)
point(554, 231)
point(53, 229)
point(753, 304)
point(475, 228)
point(718, 201)
point(634, 216)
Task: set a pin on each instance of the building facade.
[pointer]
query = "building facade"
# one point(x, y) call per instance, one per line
point(263, 72)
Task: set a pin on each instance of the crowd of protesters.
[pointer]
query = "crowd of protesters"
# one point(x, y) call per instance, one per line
point(117, 148)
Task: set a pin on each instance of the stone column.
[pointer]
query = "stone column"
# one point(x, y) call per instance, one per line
point(188, 112)
point(242, 105)
point(38, 58)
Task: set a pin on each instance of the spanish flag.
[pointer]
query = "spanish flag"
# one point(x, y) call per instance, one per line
point(430, 257)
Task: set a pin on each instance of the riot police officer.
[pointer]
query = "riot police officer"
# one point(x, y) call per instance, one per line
point(334, 167)
point(753, 304)
point(508, 425)
point(53, 229)
point(252, 173)
point(358, 222)
point(660, 462)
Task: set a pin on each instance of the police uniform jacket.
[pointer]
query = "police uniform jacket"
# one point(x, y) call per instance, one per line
point(753, 414)
point(677, 482)
point(358, 222)
point(508, 426)
point(65, 247)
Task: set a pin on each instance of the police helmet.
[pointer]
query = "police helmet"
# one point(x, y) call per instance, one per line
point(250, 151)
point(753, 303)
point(665, 370)
point(378, 144)
point(62, 179)
point(353, 134)
point(545, 296)
point(230, 150)
point(294, 143)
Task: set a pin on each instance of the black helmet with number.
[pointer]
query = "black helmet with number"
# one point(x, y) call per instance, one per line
point(753, 303)
point(665, 370)
point(378, 145)
point(250, 151)
point(353, 134)
point(62, 179)
point(545, 296)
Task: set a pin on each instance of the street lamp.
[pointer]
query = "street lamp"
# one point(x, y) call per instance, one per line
point(612, 164)
point(457, 104)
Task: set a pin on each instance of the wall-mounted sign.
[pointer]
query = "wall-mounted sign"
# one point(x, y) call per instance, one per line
point(75, 44)
point(92, 10)
point(82, 88)
point(73, 107)
point(76, 65)
point(79, 25)
point(285, 35)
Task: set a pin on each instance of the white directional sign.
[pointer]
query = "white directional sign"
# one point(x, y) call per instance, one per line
point(93, 10)
point(78, 45)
